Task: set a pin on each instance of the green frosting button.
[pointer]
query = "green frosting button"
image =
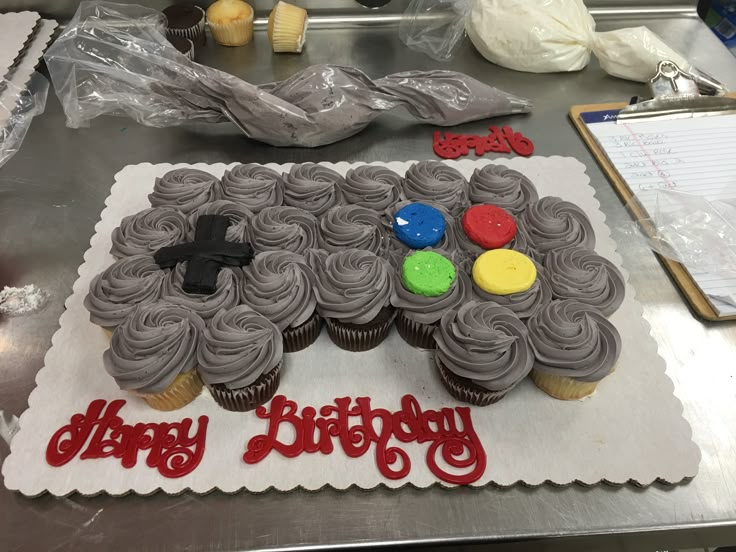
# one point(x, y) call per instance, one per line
point(427, 273)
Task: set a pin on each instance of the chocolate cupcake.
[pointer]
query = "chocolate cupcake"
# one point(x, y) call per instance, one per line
point(153, 354)
point(372, 187)
point(503, 187)
point(398, 250)
point(114, 293)
point(574, 346)
point(280, 286)
point(283, 228)
point(206, 306)
point(585, 276)
point(353, 296)
point(351, 226)
point(482, 352)
point(312, 187)
point(240, 358)
point(149, 230)
point(184, 189)
point(524, 304)
point(183, 45)
point(187, 21)
point(438, 182)
point(239, 217)
point(552, 223)
point(253, 186)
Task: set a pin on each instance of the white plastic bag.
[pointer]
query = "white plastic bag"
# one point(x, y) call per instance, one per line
point(434, 27)
point(18, 106)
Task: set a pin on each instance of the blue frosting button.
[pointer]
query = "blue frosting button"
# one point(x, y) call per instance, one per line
point(419, 226)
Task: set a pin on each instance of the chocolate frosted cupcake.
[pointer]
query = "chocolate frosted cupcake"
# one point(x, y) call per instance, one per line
point(585, 276)
point(552, 223)
point(353, 296)
point(502, 187)
point(280, 286)
point(186, 20)
point(206, 306)
point(283, 228)
point(149, 230)
point(351, 226)
point(435, 181)
point(183, 45)
point(524, 304)
point(114, 293)
point(153, 354)
point(482, 352)
point(312, 187)
point(239, 217)
point(185, 189)
point(253, 186)
point(373, 187)
point(240, 358)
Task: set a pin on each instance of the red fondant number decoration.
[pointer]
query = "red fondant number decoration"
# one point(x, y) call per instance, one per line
point(499, 140)
point(171, 449)
point(456, 444)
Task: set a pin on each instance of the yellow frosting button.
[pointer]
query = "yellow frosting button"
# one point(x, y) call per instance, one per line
point(503, 272)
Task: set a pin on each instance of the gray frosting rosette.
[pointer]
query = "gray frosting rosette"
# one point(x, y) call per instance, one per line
point(502, 187)
point(485, 343)
point(585, 276)
point(372, 186)
point(573, 340)
point(252, 186)
point(280, 285)
point(352, 226)
point(283, 228)
point(184, 189)
point(353, 285)
point(428, 310)
point(312, 187)
point(525, 303)
point(156, 343)
point(206, 306)
point(149, 230)
point(114, 293)
point(552, 223)
point(239, 217)
point(438, 182)
point(238, 347)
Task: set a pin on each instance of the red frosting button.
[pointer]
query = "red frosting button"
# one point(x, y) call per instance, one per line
point(489, 226)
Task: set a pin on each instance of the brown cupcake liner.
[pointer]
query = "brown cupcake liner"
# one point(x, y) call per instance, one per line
point(194, 33)
point(184, 389)
point(414, 333)
point(465, 390)
point(247, 398)
point(301, 337)
point(562, 387)
point(356, 338)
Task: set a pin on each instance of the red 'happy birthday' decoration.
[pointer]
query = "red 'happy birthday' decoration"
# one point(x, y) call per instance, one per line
point(499, 140)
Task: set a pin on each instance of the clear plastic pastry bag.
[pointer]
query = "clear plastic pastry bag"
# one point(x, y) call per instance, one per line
point(115, 59)
point(18, 106)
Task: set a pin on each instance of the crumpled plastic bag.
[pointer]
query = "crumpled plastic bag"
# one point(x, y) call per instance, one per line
point(18, 107)
point(115, 59)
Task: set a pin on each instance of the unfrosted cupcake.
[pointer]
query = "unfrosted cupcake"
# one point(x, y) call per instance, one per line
point(283, 228)
point(240, 358)
point(114, 293)
point(438, 182)
point(287, 28)
point(574, 346)
point(351, 226)
point(482, 352)
point(184, 189)
point(524, 304)
point(239, 216)
point(187, 21)
point(206, 306)
point(373, 187)
point(353, 296)
point(503, 187)
point(153, 354)
point(149, 230)
point(552, 223)
point(230, 22)
point(253, 186)
point(280, 286)
point(312, 187)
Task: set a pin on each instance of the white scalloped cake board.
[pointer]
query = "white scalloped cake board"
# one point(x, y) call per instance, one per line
point(631, 430)
point(15, 30)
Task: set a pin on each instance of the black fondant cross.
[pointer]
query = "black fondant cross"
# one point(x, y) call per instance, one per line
point(205, 255)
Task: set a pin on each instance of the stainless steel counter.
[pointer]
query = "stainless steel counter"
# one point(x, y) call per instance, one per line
point(51, 195)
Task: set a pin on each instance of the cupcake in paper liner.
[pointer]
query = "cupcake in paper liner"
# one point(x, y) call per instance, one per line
point(153, 354)
point(524, 304)
point(552, 223)
point(186, 21)
point(183, 45)
point(240, 356)
point(482, 352)
point(226, 295)
point(448, 242)
point(373, 187)
point(230, 22)
point(313, 187)
point(287, 28)
point(239, 216)
point(253, 186)
point(353, 296)
point(503, 187)
point(283, 229)
point(149, 230)
point(184, 189)
point(280, 286)
point(438, 182)
point(352, 227)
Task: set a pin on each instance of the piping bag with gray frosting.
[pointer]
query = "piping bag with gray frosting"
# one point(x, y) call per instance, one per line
point(115, 59)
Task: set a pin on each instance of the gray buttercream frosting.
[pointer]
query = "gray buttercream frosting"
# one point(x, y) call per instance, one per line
point(114, 293)
point(238, 347)
point(552, 223)
point(280, 285)
point(353, 285)
point(428, 310)
point(312, 187)
point(502, 187)
point(585, 276)
point(524, 304)
point(574, 340)
point(253, 186)
point(485, 343)
point(149, 230)
point(239, 217)
point(372, 186)
point(226, 296)
point(352, 226)
point(156, 343)
point(438, 182)
point(283, 228)
point(184, 189)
